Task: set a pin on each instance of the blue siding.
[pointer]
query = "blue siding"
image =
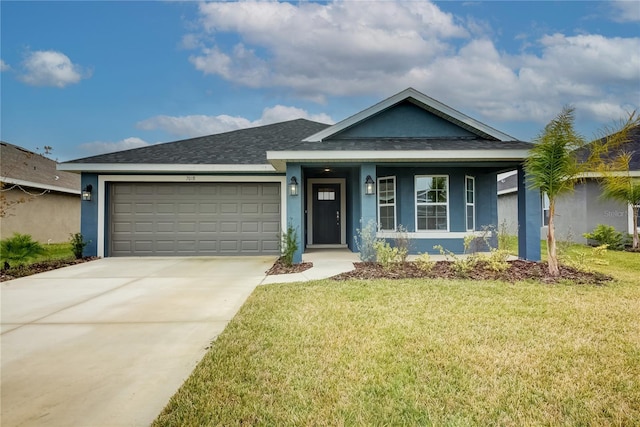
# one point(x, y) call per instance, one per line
point(529, 214)
point(404, 120)
point(354, 213)
point(89, 215)
point(486, 202)
point(295, 209)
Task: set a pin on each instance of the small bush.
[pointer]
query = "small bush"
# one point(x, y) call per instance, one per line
point(606, 235)
point(403, 243)
point(461, 265)
point(386, 255)
point(78, 244)
point(496, 260)
point(424, 262)
point(289, 245)
point(585, 260)
point(19, 249)
point(365, 241)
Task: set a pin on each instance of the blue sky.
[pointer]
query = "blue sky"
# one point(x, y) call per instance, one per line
point(90, 77)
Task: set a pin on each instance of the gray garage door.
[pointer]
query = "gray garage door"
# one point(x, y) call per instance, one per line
point(161, 219)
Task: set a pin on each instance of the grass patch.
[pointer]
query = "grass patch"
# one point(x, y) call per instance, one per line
point(52, 252)
point(423, 352)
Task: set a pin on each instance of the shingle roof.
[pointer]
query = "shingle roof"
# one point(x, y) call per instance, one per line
point(381, 144)
point(242, 147)
point(509, 182)
point(19, 164)
point(632, 147)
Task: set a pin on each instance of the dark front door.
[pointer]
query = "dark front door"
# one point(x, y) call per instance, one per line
point(326, 214)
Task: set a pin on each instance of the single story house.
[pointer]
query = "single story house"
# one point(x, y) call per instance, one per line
point(36, 198)
point(578, 212)
point(408, 160)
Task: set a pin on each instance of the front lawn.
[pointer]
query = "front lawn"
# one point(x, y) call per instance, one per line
point(424, 352)
point(56, 255)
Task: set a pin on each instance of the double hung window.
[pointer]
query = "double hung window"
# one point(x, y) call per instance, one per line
point(387, 203)
point(470, 194)
point(432, 203)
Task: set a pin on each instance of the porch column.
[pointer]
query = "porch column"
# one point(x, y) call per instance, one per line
point(367, 202)
point(529, 219)
point(89, 215)
point(295, 209)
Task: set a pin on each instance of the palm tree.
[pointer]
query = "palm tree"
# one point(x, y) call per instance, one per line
point(553, 168)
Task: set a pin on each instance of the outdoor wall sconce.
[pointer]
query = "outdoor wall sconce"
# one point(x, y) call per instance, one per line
point(86, 193)
point(369, 186)
point(293, 186)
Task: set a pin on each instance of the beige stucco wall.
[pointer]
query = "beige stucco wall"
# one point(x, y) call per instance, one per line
point(47, 218)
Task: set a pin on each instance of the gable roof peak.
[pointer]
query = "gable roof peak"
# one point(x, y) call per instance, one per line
point(423, 101)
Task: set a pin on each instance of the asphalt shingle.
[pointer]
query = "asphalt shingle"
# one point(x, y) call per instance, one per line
point(241, 147)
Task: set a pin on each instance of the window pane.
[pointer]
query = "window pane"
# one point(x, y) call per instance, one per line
point(432, 217)
point(470, 223)
point(387, 220)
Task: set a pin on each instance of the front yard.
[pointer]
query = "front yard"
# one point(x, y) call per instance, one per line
point(424, 352)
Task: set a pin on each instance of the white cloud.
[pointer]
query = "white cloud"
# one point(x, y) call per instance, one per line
point(626, 11)
point(101, 147)
point(323, 48)
point(4, 66)
point(356, 48)
point(199, 125)
point(51, 68)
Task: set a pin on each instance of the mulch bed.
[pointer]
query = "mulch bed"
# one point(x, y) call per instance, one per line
point(280, 268)
point(39, 267)
point(518, 270)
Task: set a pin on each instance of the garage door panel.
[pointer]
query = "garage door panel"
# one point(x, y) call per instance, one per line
point(194, 218)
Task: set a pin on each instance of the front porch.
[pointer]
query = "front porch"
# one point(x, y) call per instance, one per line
point(330, 204)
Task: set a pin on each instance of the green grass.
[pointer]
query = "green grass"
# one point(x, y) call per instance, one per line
point(424, 352)
point(52, 252)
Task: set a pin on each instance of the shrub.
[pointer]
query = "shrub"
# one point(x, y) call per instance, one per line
point(365, 241)
point(78, 244)
point(584, 261)
point(496, 260)
point(424, 262)
point(461, 265)
point(289, 245)
point(606, 235)
point(19, 249)
point(403, 243)
point(386, 255)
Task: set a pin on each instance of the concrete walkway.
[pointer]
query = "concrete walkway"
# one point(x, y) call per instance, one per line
point(107, 343)
point(326, 263)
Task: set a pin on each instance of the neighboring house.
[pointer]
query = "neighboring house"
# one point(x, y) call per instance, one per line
point(508, 202)
point(50, 210)
point(578, 212)
point(582, 211)
point(408, 160)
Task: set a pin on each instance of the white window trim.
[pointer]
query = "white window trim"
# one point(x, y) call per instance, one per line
point(395, 198)
point(630, 221)
point(467, 204)
point(544, 202)
point(415, 203)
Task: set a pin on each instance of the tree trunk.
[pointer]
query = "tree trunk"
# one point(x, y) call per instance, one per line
point(634, 210)
point(552, 256)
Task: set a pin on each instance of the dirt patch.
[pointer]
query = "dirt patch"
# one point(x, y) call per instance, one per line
point(280, 268)
point(39, 267)
point(518, 270)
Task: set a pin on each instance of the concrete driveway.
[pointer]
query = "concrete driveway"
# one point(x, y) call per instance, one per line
point(107, 343)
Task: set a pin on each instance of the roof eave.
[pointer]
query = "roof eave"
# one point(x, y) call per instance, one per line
point(164, 168)
point(279, 159)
